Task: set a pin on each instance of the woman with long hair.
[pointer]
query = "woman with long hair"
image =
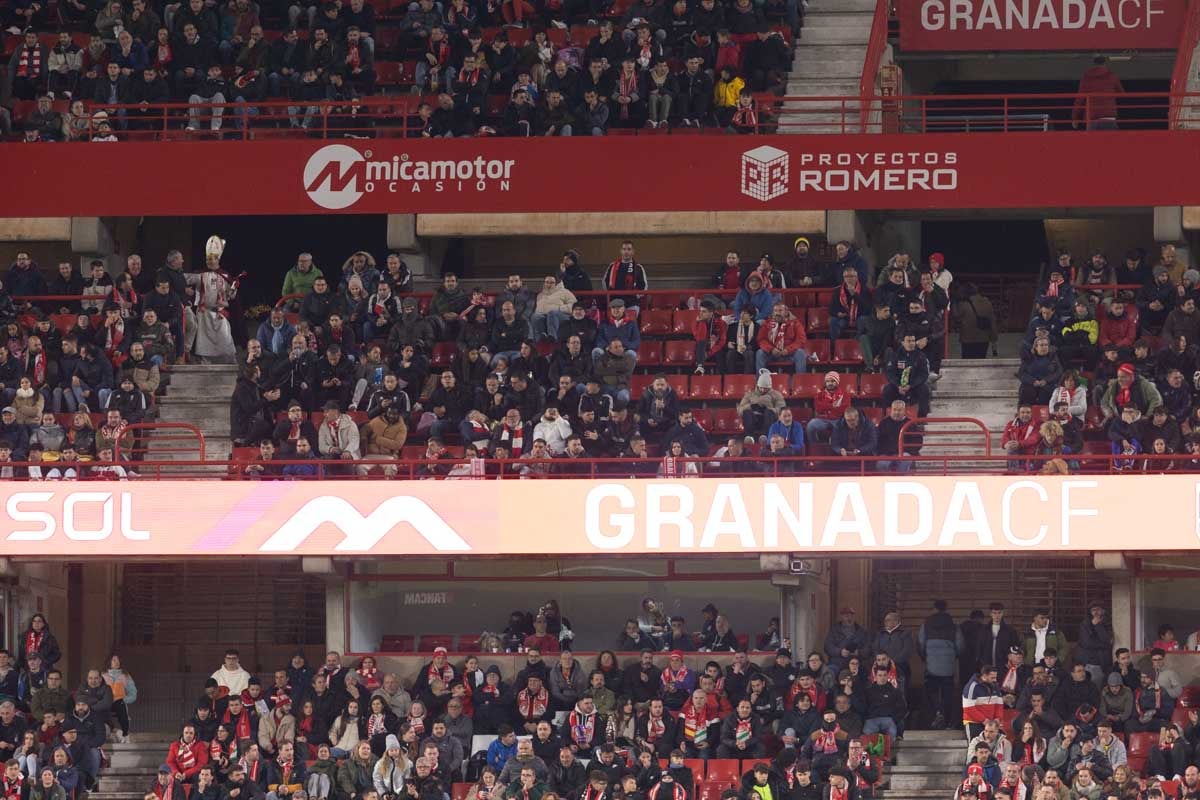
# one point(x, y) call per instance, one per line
point(124, 693)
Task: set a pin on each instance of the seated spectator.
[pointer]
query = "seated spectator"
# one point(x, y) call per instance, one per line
point(907, 373)
point(828, 406)
point(790, 431)
point(854, 435)
point(709, 332)
point(848, 305)
point(760, 407)
point(622, 325)
point(741, 343)
point(755, 296)
point(1079, 338)
point(1128, 390)
point(782, 337)
point(1039, 374)
point(1072, 394)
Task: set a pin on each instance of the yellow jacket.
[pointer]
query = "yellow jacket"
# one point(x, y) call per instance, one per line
point(726, 93)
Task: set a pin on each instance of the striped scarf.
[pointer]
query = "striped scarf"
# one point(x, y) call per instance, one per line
point(30, 65)
point(533, 706)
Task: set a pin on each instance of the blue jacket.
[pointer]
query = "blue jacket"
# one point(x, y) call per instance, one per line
point(498, 754)
point(266, 333)
point(762, 301)
point(628, 332)
point(794, 436)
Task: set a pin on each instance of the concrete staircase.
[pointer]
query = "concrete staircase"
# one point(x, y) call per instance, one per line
point(828, 63)
point(133, 768)
point(984, 389)
point(927, 764)
point(199, 394)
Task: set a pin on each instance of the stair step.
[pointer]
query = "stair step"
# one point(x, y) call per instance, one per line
point(819, 8)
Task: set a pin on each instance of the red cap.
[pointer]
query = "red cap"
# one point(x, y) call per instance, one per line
point(1125, 369)
point(975, 769)
point(937, 258)
point(676, 654)
point(440, 651)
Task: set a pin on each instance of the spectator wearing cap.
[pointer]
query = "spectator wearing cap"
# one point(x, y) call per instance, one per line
point(756, 296)
point(677, 681)
point(710, 333)
point(621, 325)
point(1155, 301)
point(166, 786)
point(828, 406)
point(1096, 638)
point(338, 435)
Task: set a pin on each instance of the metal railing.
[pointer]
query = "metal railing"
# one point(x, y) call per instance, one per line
point(867, 89)
point(396, 117)
point(459, 467)
point(1189, 38)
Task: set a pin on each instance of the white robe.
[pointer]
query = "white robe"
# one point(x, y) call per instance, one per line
point(214, 337)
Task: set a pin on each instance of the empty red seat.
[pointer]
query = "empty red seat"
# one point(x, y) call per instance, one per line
point(679, 383)
point(650, 354)
point(820, 349)
point(807, 384)
point(398, 643)
point(848, 381)
point(782, 383)
point(724, 770)
point(870, 385)
point(736, 386)
point(459, 791)
point(429, 641)
point(667, 300)
point(847, 351)
point(679, 353)
point(638, 384)
point(1093, 419)
point(704, 418)
point(726, 421)
point(873, 413)
point(1141, 743)
point(445, 354)
point(818, 320)
point(387, 73)
point(655, 322)
point(683, 322)
point(705, 387)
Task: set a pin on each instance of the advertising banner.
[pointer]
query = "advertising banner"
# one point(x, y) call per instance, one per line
point(590, 517)
point(653, 173)
point(1046, 25)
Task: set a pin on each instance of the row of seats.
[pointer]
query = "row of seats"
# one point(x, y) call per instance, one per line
point(455, 643)
point(805, 386)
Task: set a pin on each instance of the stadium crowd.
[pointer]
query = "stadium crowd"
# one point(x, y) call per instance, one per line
point(552, 374)
point(101, 69)
point(1119, 362)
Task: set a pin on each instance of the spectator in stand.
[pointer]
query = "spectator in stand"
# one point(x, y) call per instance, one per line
point(1039, 374)
point(854, 436)
point(907, 373)
point(1129, 390)
point(552, 307)
point(848, 305)
point(782, 337)
point(828, 407)
point(1095, 106)
point(624, 275)
point(760, 407)
point(621, 324)
point(709, 331)
point(1155, 301)
point(755, 296)
point(977, 324)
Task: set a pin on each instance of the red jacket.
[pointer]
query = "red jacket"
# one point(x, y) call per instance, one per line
point(788, 334)
point(1097, 80)
point(828, 405)
point(200, 758)
point(701, 333)
point(728, 55)
point(1026, 436)
point(1121, 330)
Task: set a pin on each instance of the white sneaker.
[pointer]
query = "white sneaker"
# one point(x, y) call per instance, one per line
point(933, 376)
point(699, 370)
point(558, 23)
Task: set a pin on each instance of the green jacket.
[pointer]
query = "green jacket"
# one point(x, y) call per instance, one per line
point(47, 699)
point(297, 282)
point(1054, 639)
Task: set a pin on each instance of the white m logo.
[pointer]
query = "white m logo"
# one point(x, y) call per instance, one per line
point(362, 533)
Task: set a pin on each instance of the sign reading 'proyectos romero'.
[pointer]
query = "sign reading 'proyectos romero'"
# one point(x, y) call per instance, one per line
point(969, 25)
point(978, 514)
point(669, 173)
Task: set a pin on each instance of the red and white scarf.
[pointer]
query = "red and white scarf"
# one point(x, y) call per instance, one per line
point(30, 65)
point(670, 676)
point(695, 722)
point(516, 439)
point(38, 374)
point(656, 728)
point(839, 794)
point(285, 770)
point(375, 724)
point(742, 732)
point(217, 750)
point(583, 727)
point(241, 724)
point(33, 639)
point(369, 677)
point(826, 741)
point(533, 706)
point(745, 117)
point(445, 673)
point(417, 724)
point(185, 755)
point(1009, 684)
point(12, 789)
point(628, 84)
point(849, 300)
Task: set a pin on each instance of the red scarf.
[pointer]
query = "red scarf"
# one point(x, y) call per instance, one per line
point(839, 794)
point(33, 639)
point(417, 724)
point(12, 789)
point(743, 731)
point(446, 673)
point(677, 792)
point(39, 379)
point(826, 741)
point(533, 706)
point(628, 85)
point(369, 678)
point(674, 677)
point(983, 790)
point(849, 300)
point(285, 771)
point(656, 727)
point(217, 751)
point(516, 439)
point(694, 721)
point(859, 780)
point(185, 755)
point(1124, 395)
point(745, 117)
point(1052, 288)
point(251, 769)
point(30, 67)
point(242, 726)
point(375, 724)
point(1009, 684)
point(592, 794)
point(583, 728)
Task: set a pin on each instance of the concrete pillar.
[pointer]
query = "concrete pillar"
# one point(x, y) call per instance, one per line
point(893, 236)
point(91, 236)
point(1123, 588)
point(337, 636)
point(402, 236)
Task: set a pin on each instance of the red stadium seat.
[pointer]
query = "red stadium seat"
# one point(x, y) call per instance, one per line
point(726, 421)
point(679, 383)
point(849, 383)
point(546, 348)
point(683, 322)
point(655, 322)
point(650, 354)
point(445, 355)
point(1093, 419)
point(870, 385)
point(398, 643)
point(429, 641)
point(873, 413)
point(705, 387)
point(723, 770)
point(847, 351)
point(459, 791)
point(387, 73)
point(736, 386)
point(819, 348)
point(782, 383)
point(679, 353)
point(1140, 744)
point(704, 418)
point(666, 300)
point(807, 385)
point(710, 791)
point(818, 320)
point(638, 384)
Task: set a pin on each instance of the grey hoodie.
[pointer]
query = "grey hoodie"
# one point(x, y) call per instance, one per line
point(50, 437)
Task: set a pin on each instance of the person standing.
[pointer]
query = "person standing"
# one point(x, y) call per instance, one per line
point(996, 639)
point(939, 642)
point(1096, 642)
point(1099, 111)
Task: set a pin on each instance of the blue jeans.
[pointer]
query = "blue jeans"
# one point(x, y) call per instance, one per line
point(621, 395)
point(799, 358)
point(902, 467)
point(818, 428)
point(156, 360)
point(881, 725)
point(547, 324)
point(837, 326)
point(509, 355)
point(441, 427)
